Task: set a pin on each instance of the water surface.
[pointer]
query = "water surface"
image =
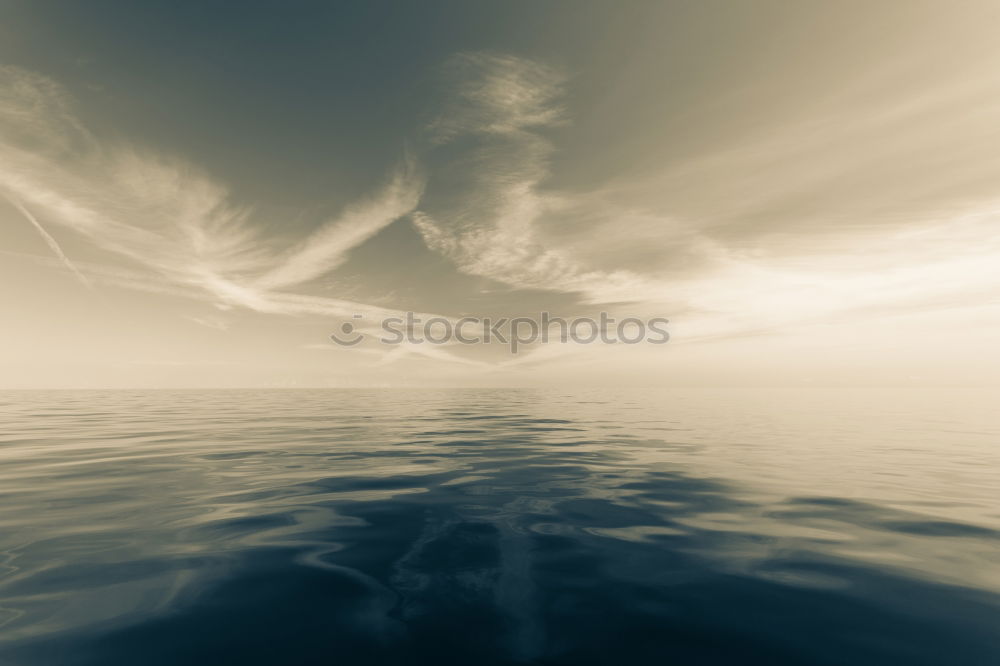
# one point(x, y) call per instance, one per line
point(499, 527)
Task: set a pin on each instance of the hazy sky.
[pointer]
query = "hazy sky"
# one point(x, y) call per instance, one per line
point(198, 194)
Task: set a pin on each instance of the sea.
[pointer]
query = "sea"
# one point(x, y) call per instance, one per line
point(500, 526)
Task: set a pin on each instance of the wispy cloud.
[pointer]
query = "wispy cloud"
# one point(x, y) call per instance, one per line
point(166, 217)
point(480, 197)
point(424, 351)
point(50, 241)
point(726, 242)
point(488, 224)
point(216, 323)
point(328, 247)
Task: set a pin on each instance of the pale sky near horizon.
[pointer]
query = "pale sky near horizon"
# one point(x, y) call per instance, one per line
point(197, 195)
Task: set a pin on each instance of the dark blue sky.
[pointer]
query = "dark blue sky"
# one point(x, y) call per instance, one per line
point(310, 101)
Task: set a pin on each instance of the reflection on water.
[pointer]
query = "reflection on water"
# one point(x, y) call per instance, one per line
point(499, 527)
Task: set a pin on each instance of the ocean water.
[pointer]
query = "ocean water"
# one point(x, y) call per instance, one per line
point(499, 527)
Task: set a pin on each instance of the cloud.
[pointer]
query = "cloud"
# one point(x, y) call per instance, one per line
point(725, 243)
point(498, 94)
point(426, 351)
point(217, 323)
point(173, 224)
point(163, 215)
point(35, 113)
point(328, 247)
point(50, 241)
point(480, 196)
point(486, 213)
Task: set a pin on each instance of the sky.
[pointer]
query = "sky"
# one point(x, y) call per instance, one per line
point(200, 194)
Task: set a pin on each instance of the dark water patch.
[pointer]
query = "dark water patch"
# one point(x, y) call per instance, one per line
point(866, 514)
point(940, 528)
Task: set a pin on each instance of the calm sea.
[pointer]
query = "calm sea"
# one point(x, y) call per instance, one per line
point(499, 526)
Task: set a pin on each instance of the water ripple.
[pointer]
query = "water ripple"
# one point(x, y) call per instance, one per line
point(497, 527)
